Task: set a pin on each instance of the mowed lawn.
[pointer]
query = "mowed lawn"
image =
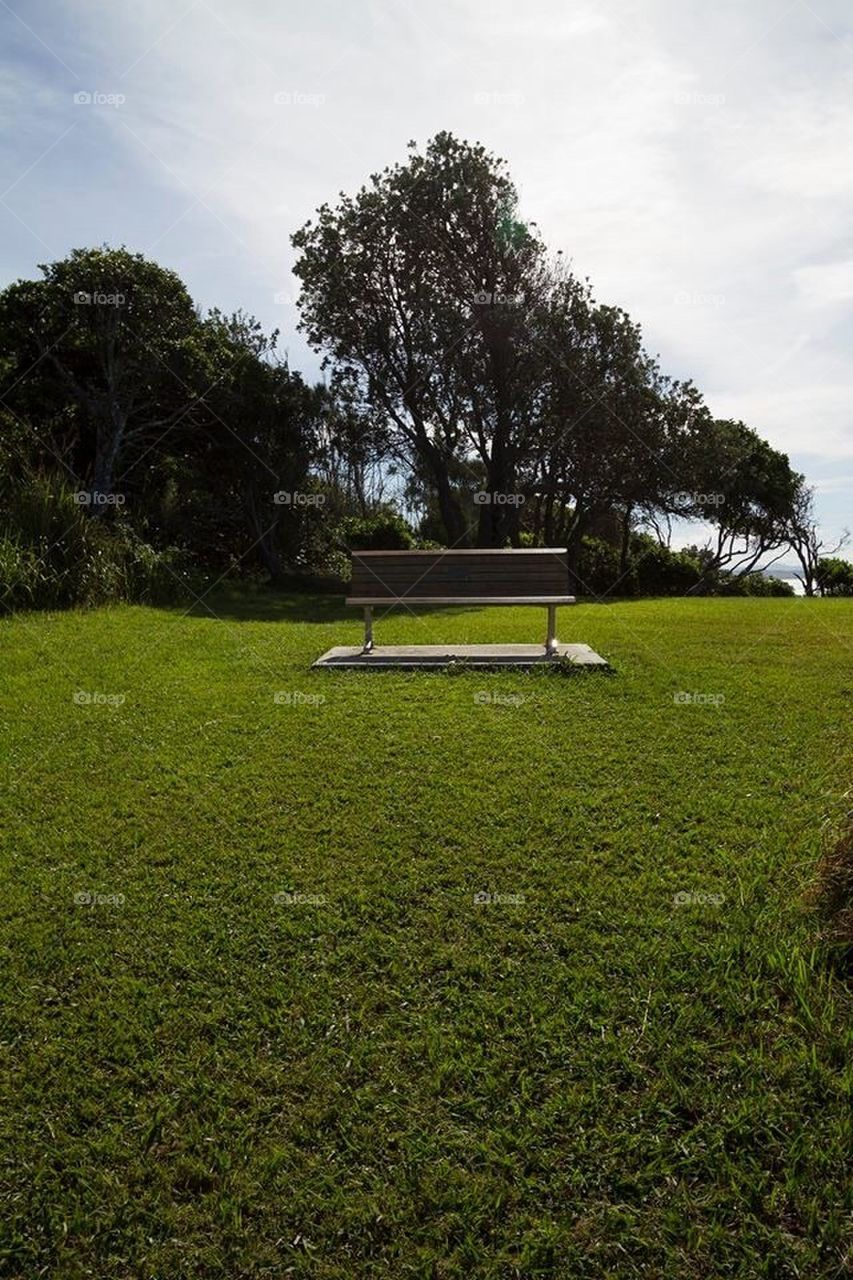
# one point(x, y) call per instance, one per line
point(258, 1025)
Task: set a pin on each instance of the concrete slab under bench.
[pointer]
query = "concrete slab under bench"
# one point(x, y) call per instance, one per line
point(469, 655)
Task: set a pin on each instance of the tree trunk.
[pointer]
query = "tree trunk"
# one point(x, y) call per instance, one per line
point(548, 537)
point(537, 519)
point(270, 559)
point(107, 445)
point(265, 537)
point(574, 538)
point(448, 505)
point(494, 524)
point(626, 541)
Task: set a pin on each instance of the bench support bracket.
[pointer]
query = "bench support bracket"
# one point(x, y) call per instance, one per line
point(368, 629)
point(551, 639)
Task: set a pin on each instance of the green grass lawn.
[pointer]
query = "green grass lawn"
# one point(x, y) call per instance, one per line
point(258, 1026)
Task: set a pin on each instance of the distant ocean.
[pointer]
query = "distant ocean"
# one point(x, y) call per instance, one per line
point(786, 573)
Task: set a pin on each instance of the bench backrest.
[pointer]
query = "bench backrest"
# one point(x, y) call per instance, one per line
point(388, 575)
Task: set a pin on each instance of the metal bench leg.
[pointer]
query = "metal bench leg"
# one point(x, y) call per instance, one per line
point(551, 641)
point(368, 629)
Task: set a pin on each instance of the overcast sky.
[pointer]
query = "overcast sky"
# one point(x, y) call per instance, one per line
point(692, 159)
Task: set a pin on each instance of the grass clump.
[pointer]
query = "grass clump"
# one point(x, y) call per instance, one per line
point(833, 893)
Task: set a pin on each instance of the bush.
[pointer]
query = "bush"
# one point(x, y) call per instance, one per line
point(327, 536)
point(147, 575)
point(656, 570)
point(751, 584)
point(598, 568)
point(49, 546)
point(661, 571)
point(382, 531)
point(835, 577)
point(53, 554)
point(20, 573)
point(652, 570)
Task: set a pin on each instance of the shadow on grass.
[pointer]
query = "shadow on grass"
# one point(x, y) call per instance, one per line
point(266, 604)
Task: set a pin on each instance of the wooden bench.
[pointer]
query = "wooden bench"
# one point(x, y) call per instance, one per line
point(527, 576)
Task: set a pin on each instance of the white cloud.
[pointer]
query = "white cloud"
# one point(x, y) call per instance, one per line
point(788, 417)
point(833, 484)
point(830, 282)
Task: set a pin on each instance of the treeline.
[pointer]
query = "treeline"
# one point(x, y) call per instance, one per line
point(471, 384)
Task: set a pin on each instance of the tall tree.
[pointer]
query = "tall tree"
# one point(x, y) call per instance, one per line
point(610, 428)
point(260, 433)
point(808, 545)
point(417, 287)
point(110, 340)
point(739, 485)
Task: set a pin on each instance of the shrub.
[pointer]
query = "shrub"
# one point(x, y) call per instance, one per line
point(382, 531)
point(149, 575)
point(652, 569)
point(661, 571)
point(598, 568)
point(328, 535)
point(835, 576)
point(751, 584)
point(20, 573)
point(54, 554)
point(54, 544)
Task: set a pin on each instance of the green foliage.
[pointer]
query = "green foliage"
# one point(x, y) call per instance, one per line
point(149, 575)
point(102, 353)
point(529, 394)
point(53, 551)
point(329, 535)
point(750, 584)
point(736, 482)
point(53, 555)
point(660, 571)
point(259, 440)
point(598, 568)
point(427, 268)
point(382, 530)
point(113, 378)
point(835, 576)
point(654, 570)
point(21, 574)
